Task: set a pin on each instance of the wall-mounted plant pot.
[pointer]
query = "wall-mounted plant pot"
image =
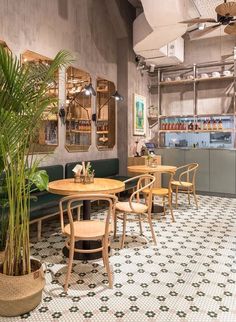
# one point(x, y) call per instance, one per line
point(21, 294)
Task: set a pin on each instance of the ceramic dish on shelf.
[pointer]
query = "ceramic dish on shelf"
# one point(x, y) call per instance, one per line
point(215, 74)
point(227, 73)
point(204, 75)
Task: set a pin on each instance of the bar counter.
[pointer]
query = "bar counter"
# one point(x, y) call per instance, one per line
point(217, 167)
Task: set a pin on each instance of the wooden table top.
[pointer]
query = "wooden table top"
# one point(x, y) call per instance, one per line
point(148, 169)
point(100, 185)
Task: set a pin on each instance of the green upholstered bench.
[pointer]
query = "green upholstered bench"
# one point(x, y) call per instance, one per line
point(104, 168)
point(44, 204)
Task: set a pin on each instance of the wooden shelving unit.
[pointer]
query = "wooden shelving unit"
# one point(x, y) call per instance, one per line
point(193, 76)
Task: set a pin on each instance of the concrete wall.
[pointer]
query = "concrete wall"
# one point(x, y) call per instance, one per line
point(80, 26)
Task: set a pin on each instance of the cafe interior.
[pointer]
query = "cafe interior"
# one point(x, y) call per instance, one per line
point(118, 160)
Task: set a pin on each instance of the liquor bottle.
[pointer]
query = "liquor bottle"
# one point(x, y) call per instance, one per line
point(205, 125)
point(220, 125)
point(209, 125)
point(190, 126)
point(214, 125)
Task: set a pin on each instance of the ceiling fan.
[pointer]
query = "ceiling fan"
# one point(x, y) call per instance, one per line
point(226, 13)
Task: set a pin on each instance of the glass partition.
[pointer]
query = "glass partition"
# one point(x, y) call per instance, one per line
point(106, 115)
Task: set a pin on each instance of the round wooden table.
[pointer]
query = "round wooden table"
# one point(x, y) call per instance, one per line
point(99, 186)
point(151, 170)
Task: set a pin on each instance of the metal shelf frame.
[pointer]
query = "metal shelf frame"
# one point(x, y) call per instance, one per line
point(194, 82)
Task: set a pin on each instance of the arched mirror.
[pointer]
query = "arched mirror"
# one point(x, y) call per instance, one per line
point(78, 116)
point(105, 115)
point(46, 139)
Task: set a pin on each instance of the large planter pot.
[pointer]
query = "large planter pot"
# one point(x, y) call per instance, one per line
point(21, 294)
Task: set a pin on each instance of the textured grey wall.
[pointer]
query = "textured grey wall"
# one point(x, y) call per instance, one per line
point(80, 26)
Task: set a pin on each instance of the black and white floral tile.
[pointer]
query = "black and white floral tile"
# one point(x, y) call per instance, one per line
point(190, 276)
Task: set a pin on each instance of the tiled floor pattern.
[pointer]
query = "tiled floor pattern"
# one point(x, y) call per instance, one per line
point(190, 276)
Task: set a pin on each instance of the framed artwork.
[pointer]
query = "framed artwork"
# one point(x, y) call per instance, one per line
point(139, 115)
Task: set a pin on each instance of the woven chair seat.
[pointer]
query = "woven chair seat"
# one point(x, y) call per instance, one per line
point(125, 207)
point(158, 191)
point(182, 183)
point(87, 229)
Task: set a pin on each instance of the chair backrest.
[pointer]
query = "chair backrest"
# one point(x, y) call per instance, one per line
point(169, 176)
point(70, 200)
point(188, 171)
point(145, 182)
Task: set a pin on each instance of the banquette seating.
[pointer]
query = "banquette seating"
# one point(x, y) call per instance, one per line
point(44, 205)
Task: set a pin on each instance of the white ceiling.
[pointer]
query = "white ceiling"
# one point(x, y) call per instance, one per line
point(207, 7)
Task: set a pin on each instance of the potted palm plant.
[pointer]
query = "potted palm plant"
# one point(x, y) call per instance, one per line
point(23, 101)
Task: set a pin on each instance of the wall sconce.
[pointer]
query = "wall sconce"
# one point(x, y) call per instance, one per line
point(116, 96)
point(87, 90)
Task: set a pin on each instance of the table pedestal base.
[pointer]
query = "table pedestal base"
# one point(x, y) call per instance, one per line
point(88, 244)
point(157, 209)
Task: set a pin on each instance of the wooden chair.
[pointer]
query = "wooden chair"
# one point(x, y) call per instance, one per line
point(185, 182)
point(87, 230)
point(165, 193)
point(135, 207)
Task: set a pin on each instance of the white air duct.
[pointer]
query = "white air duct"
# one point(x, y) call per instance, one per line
point(158, 26)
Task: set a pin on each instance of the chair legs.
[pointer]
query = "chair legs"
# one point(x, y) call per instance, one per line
point(171, 209)
point(140, 224)
point(189, 191)
point(105, 257)
point(124, 230)
point(115, 225)
point(188, 196)
point(71, 255)
point(152, 229)
point(176, 197)
point(195, 197)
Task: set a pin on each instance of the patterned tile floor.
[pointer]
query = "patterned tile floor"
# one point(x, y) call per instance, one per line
point(190, 276)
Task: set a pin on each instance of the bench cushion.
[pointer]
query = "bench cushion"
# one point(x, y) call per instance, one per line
point(103, 168)
point(46, 204)
point(55, 172)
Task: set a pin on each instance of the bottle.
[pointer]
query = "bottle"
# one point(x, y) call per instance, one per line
point(220, 125)
point(214, 125)
point(190, 126)
point(209, 125)
point(205, 125)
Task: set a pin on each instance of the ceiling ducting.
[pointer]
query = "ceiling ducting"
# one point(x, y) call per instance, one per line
point(159, 26)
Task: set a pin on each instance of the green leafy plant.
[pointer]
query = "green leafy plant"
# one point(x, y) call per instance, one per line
point(23, 100)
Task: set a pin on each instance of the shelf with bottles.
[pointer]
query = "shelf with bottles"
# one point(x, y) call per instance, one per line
point(78, 126)
point(220, 123)
point(102, 127)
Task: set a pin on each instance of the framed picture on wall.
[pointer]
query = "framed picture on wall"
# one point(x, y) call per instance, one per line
point(139, 115)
